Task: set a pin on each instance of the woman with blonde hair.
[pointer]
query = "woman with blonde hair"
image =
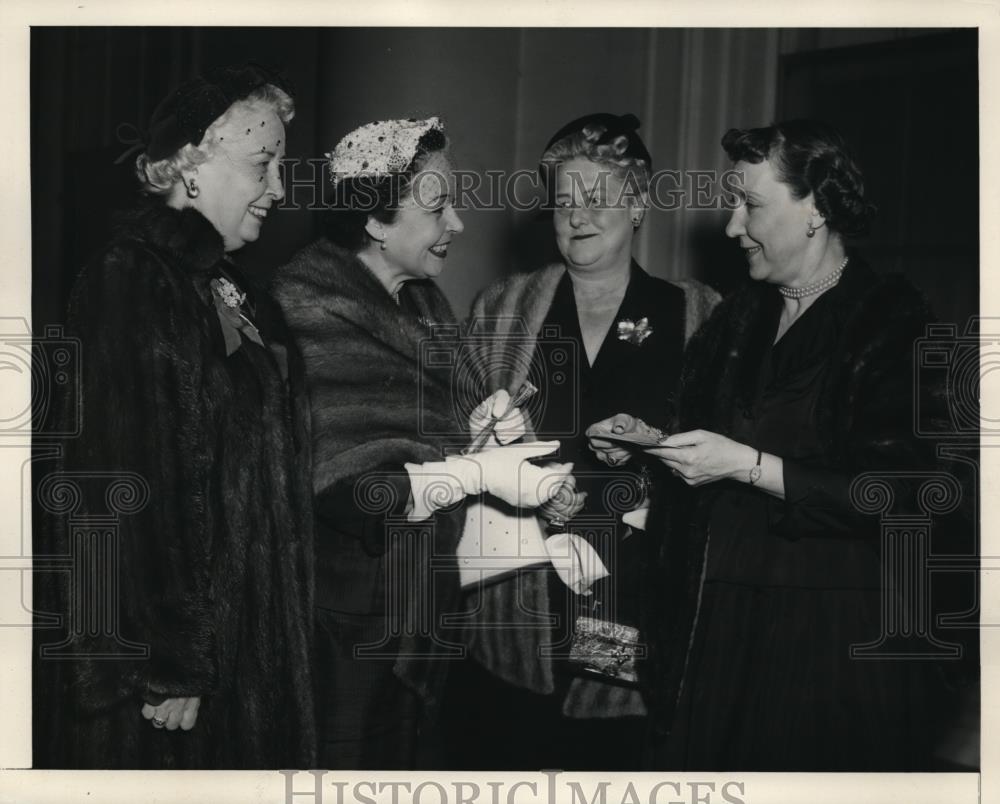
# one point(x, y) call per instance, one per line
point(190, 390)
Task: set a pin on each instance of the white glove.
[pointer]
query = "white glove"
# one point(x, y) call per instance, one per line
point(510, 428)
point(503, 472)
point(637, 518)
point(576, 563)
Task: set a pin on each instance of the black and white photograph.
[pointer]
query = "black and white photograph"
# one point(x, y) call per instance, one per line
point(551, 410)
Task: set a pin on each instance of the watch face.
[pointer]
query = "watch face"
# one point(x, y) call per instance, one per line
point(754, 474)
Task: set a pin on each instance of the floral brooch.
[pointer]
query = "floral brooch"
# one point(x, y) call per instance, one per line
point(229, 294)
point(228, 301)
point(634, 332)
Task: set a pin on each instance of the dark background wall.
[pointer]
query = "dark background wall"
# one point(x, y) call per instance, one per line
point(907, 98)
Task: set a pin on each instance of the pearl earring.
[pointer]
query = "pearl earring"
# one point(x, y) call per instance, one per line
point(192, 189)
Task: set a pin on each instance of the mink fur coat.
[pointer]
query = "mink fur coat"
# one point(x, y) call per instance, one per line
point(214, 571)
point(378, 402)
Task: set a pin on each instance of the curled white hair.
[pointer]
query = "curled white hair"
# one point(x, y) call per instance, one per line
point(612, 154)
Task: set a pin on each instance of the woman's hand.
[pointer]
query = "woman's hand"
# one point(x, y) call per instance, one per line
point(505, 472)
point(612, 452)
point(699, 457)
point(565, 504)
point(510, 428)
point(173, 713)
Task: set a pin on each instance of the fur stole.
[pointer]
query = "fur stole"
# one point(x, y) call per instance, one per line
point(377, 402)
point(374, 400)
point(865, 422)
point(516, 307)
point(507, 318)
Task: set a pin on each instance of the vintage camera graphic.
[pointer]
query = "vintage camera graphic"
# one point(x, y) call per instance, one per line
point(955, 364)
point(493, 353)
point(52, 362)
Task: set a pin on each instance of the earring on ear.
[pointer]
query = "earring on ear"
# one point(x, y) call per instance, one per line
point(381, 244)
point(192, 189)
point(810, 232)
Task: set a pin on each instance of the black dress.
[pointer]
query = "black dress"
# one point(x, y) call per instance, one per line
point(517, 729)
point(770, 683)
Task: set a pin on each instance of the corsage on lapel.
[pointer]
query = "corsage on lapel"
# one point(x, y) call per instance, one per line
point(228, 302)
point(634, 332)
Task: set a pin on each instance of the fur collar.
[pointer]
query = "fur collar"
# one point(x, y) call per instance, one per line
point(879, 319)
point(374, 400)
point(517, 306)
point(725, 359)
point(185, 234)
point(325, 285)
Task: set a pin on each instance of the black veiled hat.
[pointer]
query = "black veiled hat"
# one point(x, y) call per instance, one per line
point(184, 115)
point(626, 125)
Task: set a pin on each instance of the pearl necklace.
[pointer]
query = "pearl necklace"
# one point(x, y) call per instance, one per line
point(816, 287)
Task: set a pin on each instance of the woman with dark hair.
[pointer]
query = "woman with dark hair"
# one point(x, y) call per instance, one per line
point(614, 323)
point(361, 303)
point(189, 398)
point(765, 582)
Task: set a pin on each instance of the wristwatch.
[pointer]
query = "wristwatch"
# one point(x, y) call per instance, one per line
point(755, 472)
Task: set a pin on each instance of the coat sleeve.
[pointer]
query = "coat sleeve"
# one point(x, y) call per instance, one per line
point(878, 435)
point(338, 508)
point(144, 345)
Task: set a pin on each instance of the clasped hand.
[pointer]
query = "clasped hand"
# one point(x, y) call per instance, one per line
point(511, 424)
point(505, 473)
point(173, 713)
point(566, 502)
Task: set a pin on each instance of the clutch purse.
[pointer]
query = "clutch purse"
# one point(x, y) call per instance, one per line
point(605, 649)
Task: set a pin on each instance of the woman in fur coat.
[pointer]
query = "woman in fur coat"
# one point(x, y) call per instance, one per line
point(597, 335)
point(764, 587)
point(362, 306)
point(193, 435)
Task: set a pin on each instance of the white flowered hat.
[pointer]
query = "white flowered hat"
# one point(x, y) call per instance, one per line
point(378, 149)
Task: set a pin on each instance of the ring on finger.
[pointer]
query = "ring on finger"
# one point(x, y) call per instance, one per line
point(159, 722)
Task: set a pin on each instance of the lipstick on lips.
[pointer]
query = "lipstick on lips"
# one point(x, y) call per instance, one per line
point(440, 249)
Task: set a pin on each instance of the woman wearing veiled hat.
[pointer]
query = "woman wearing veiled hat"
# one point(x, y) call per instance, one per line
point(624, 332)
point(362, 305)
point(190, 394)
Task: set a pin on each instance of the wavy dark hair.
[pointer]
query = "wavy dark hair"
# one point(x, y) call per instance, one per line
point(810, 156)
point(358, 198)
